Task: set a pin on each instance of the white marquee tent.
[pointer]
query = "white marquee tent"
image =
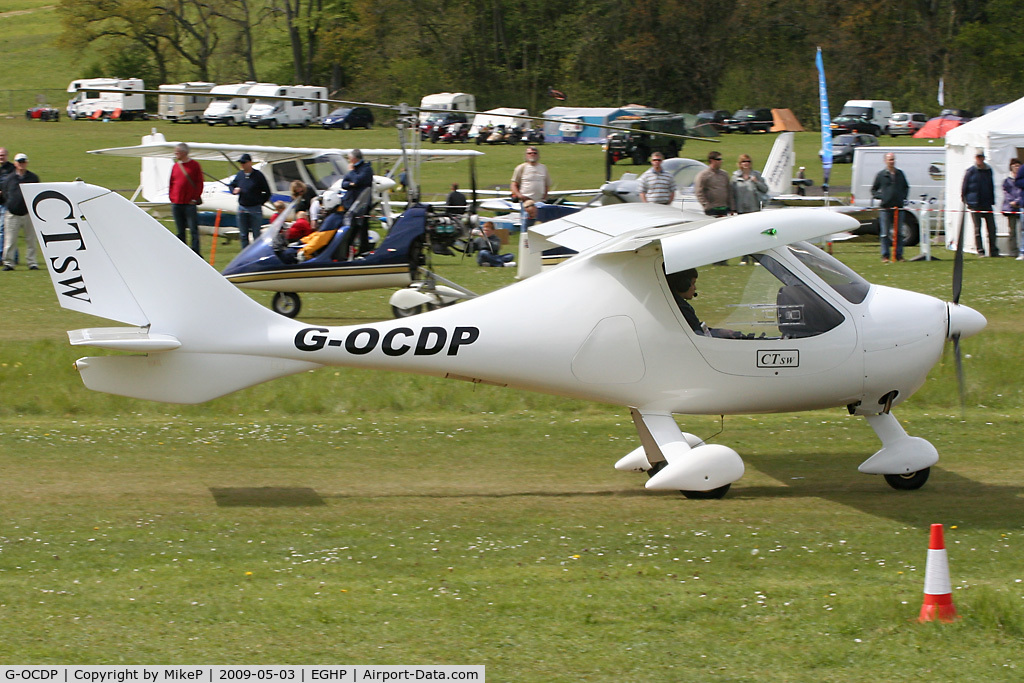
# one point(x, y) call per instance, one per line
point(506, 116)
point(1001, 135)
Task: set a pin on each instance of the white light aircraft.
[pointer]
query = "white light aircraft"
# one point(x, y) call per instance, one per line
point(802, 332)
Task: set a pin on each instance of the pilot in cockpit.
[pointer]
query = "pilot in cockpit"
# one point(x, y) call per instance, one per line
point(683, 286)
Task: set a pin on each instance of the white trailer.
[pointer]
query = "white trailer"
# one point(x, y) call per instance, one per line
point(175, 106)
point(274, 112)
point(452, 101)
point(229, 103)
point(90, 103)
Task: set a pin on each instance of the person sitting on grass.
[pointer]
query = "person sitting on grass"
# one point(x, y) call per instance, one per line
point(488, 247)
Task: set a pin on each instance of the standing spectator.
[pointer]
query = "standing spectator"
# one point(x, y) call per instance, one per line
point(488, 247)
point(530, 179)
point(748, 187)
point(714, 191)
point(253, 190)
point(1011, 209)
point(890, 188)
point(17, 214)
point(186, 193)
point(748, 190)
point(657, 186)
point(801, 174)
point(456, 202)
point(357, 181)
point(979, 194)
point(6, 167)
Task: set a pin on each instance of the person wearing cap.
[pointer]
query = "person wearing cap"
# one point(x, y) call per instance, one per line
point(714, 191)
point(253, 191)
point(890, 188)
point(186, 194)
point(17, 214)
point(979, 195)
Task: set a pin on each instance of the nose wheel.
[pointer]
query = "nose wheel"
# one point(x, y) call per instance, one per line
point(908, 482)
point(287, 304)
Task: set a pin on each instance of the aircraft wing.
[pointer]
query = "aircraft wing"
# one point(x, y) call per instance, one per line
point(209, 151)
point(688, 239)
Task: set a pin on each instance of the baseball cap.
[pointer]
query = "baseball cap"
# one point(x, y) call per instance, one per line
point(244, 158)
point(21, 157)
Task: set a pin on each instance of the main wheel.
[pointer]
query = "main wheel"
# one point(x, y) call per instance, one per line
point(406, 312)
point(287, 304)
point(908, 482)
point(713, 494)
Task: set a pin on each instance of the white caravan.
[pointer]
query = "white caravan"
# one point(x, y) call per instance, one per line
point(174, 106)
point(452, 101)
point(877, 112)
point(89, 103)
point(230, 103)
point(275, 112)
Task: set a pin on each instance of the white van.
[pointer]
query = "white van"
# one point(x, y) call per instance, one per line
point(452, 101)
point(173, 106)
point(274, 113)
point(92, 104)
point(877, 112)
point(229, 103)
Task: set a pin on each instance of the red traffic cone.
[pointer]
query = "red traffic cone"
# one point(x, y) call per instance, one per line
point(938, 594)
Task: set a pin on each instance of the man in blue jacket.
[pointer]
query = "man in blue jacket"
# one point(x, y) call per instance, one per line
point(358, 180)
point(979, 195)
point(253, 190)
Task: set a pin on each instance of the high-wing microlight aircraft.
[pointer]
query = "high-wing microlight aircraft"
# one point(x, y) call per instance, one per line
point(613, 324)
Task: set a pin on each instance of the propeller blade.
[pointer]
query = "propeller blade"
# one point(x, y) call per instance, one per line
point(607, 167)
point(958, 263)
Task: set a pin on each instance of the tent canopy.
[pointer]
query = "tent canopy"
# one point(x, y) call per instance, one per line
point(939, 127)
point(784, 120)
point(1000, 135)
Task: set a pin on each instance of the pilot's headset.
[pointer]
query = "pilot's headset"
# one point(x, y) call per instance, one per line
point(330, 200)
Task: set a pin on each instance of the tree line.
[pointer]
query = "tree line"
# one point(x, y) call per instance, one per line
point(680, 55)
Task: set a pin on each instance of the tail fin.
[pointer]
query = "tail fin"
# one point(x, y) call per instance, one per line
point(108, 258)
point(155, 176)
point(778, 172)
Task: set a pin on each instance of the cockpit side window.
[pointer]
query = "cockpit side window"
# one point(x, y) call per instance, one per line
point(833, 272)
point(324, 170)
point(766, 302)
point(284, 173)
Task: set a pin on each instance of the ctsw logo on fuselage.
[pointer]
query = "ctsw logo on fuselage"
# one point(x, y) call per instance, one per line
point(55, 227)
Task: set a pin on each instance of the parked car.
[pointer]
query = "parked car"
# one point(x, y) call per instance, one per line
point(749, 120)
point(906, 123)
point(843, 146)
point(854, 124)
point(349, 117)
point(713, 117)
point(43, 113)
point(440, 121)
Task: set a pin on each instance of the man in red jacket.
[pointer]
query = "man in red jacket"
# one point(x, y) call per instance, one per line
point(186, 193)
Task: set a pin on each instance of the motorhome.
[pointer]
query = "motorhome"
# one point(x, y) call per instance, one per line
point(229, 103)
point(175, 106)
point(452, 101)
point(274, 113)
point(877, 112)
point(90, 103)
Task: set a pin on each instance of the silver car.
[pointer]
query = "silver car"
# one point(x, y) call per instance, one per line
point(906, 123)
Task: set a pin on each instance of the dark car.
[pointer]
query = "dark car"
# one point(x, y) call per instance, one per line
point(349, 117)
point(843, 146)
point(440, 121)
point(749, 120)
point(854, 124)
point(713, 117)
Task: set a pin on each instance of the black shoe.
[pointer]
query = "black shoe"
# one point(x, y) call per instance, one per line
point(33, 267)
point(8, 268)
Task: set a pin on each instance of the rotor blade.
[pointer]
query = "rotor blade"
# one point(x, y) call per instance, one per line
point(960, 377)
point(472, 184)
point(607, 167)
point(958, 264)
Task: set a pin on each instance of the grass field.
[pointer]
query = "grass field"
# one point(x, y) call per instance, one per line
point(346, 516)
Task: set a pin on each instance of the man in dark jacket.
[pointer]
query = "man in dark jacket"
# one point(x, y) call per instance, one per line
point(979, 195)
point(253, 190)
point(17, 214)
point(358, 180)
point(890, 188)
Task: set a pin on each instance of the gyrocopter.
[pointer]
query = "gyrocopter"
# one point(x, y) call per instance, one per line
point(802, 332)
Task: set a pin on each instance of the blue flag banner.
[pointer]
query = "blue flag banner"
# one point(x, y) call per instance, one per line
point(826, 122)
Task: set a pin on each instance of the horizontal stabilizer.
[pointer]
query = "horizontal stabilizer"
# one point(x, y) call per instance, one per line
point(180, 377)
point(123, 339)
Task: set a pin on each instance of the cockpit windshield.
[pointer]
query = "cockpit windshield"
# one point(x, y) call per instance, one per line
point(847, 283)
point(326, 169)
